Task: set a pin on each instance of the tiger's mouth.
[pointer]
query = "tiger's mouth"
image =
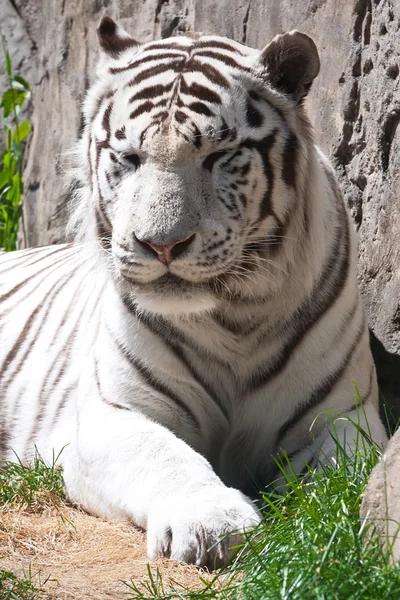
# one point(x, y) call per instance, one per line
point(175, 289)
point(172, 284)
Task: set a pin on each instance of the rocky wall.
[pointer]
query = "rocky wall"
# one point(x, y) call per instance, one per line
point(354, 104)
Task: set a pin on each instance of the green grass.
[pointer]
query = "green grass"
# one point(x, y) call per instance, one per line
point(311, 545)
point(26, 486)
point(13, 588)
point(22, 487)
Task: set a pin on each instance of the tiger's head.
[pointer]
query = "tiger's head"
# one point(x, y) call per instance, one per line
point(195, 153)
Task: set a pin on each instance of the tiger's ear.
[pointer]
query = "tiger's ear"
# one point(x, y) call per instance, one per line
point(292, 63)
point(113, 39)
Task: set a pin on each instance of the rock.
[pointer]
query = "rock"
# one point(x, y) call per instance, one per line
point(381, 499)
point(354, 104)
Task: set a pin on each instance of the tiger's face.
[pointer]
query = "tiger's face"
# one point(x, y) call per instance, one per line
point(193, 155)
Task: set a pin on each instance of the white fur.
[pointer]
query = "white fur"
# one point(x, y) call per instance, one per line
point(158, 408)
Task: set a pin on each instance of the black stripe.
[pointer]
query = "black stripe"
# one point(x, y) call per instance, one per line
point(367, 394)
point(211, 159)
point(140, 61)
point(211, 44)
point(322, 392)
point(166, 333)
point(201, 109)
point(100, 391)
point(209, 72)
point(62, 402)
point(104, 145)
point(156, 121)
point(64, 353)
point(324, 294)
point(20, 365)
point(106, 119)
point(48, 299)
point(253, 116)
point(227, 60)
point(99, 104)
point(103, 225)
point(179, 353)
point(89, 162)
point(146, 107)
point(156, 70)
point(66, 394)
point(20, 395)
point(289, 160)
point(28, 261)
point(101, 213)
point(270, 245)
point(21, 284)
point(180, 116)
point(20, 257)
point(344, 324)
point(197, 139)
point(15, 256)
point(158, 118)
point(4, 442)
point(109, 180)
point(264, 147)
point(228, 161)
point(151, 380)
point(120, 134)
point(151, 92)
point(361, 401)
point(242, 329)
point(52, 367)
point(200, 92)
point(103, 233)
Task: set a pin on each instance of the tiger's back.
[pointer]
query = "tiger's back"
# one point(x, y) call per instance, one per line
point(48, 309)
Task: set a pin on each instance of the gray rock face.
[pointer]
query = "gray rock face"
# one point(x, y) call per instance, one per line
point(381, 499)
point(354, 104)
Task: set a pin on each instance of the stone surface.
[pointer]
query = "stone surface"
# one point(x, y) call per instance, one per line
point(354, 104)
point(381, 499)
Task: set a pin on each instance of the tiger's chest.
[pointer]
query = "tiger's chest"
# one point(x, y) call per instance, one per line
point(199, 380)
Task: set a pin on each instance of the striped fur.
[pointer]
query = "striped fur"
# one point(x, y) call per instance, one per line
point(209, 310)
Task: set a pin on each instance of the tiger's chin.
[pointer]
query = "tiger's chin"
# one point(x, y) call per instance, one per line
point(184, 304)
point(171, 295)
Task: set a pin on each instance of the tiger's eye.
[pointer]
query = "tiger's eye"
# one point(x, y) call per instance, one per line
point(132, 159)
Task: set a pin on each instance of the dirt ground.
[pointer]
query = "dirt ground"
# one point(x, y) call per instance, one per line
point(75, 556)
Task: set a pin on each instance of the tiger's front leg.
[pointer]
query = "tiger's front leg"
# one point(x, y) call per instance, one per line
point(122, 464)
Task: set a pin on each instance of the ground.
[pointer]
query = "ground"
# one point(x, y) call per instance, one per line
point(311, 545)
point(73, 555)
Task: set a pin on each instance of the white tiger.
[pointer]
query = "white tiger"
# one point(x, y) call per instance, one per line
point(209, 311)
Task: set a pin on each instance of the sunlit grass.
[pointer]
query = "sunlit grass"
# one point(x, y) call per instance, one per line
point(32, 485)
point(311, 545)
point(13, 588)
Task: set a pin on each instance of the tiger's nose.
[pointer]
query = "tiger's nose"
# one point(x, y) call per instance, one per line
point(167, 252)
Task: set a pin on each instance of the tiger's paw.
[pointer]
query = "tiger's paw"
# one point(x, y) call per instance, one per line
point(200, 529)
